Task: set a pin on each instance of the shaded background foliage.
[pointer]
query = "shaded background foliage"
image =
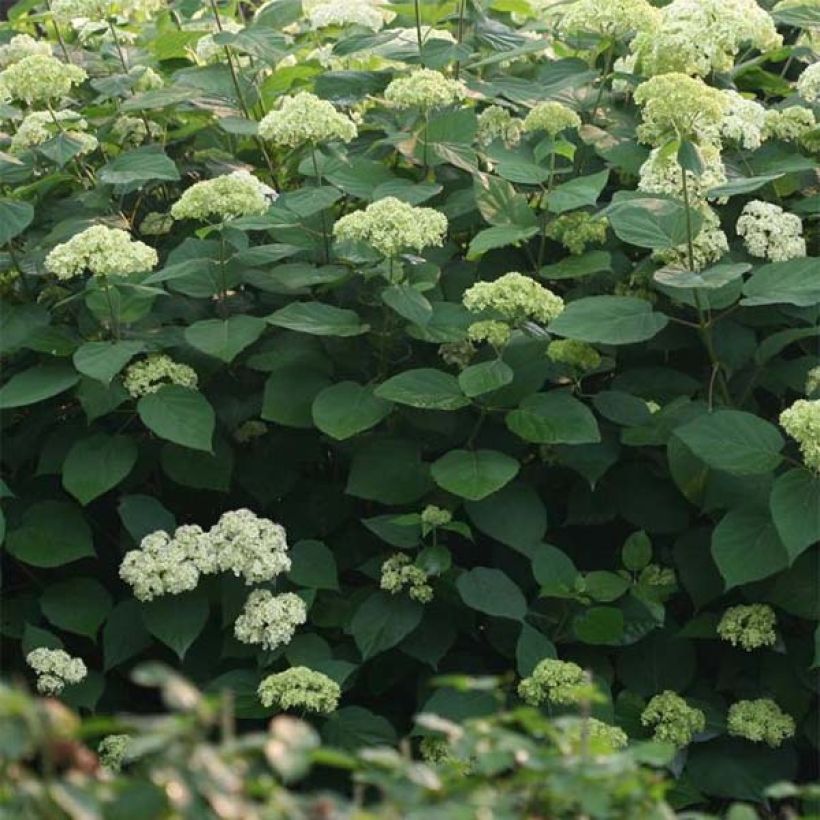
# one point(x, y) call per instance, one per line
point(548, 475)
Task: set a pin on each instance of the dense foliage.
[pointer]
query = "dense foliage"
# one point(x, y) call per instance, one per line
point(346, 345)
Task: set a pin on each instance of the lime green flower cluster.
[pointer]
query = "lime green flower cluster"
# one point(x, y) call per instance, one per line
point(224, 197)
point(676, 106)
point(576, 230)
point(516, 298)
point(771, 233)
point(748, 626)
point(654, 575)
point(21, 46)
point(553, 681)
point(787, 124)
point(102, 251)
point(432, 517)
point(698, 37)
point(306, 119)
point(424, 89)
point(40, 126)
point(491, 331)
point(552, 117)
point(155, 223)
point(808, 83)
point(597, 732)
point(64, 11)
point(802, 422)
point(269, 620)
point(346, 13)
point(813, 381)
point(495, 122)
point(398, 573)
point(708, 246)
point(151, 373)
point(577, 355)
point(761, 721)
point(435, 750)
point(744, 121)
point(457, 354)
point(40, 78)
point(661, 174)
point(112, 751)
point(673, 719)
point(300, 688)
point(55, 669)
point(617, 19)
point(390, 226)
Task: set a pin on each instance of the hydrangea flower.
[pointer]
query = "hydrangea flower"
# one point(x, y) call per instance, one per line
point(552, 681)
point(224, 197)
point(64, 11)
point(676, 106)
point(600, 733)
point(40, 78)
point(163, 565)
point(786, 124)
point(698, 37)
point(346, 13)
point(300, 688)
point(744, 121)
point(39, 127)
point(209, 51)
point(802, 422)
point(144, 78)
point(514, 297)
point(155, 223)
point(654, 575)
point(771, 233)
point(21, 46)
point(709, 245)
point(459, 354)
point(578, 355)
point(495, 122)
point(390, 226)
point(552, 117)
point(251, 547)
point(491, 331)
point(576, 230)
point(112, 751)
point(750, 627)
point(432, 517)
point(149, 374)
point(269, 620)
point(673, 720)
point(425, 89)
point(127, 130)
point(813, 381)
point(808, 83)
point(614, 18)
point(662, 174)
point(102, 251)
point(306, 119)
point(761, 721)
point(55, 669)
point(398, 573)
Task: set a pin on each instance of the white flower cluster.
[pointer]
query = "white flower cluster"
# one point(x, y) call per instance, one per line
point(808, 83)
point(40, 126)
point(399, 573)
point(425, 89)
point(305, 118)
point(55, 669)
point(771, 233)
point(698, 37)
point(613, 18)
point(149, 374)
point(300, 688)
point(802, 422)
point(495, 122)
point(269, 620)
point(552, 117)
point(516, 298)
point(21, 46)
point(744, 121)
point(224, 197)
point(207, 51)
point(240, 542)
point(709, 245)
point(64, 11)
point(390, 226)
point(346, 13)
point(127, 130)
point(661, 174)
point(40, 78)
point(102, 251)
point(789, 124)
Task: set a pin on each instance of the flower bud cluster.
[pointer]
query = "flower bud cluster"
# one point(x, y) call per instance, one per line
point(673, 720)
point(748, 626)
point(40, 78)
point(55, 669)
point(399, 573)
point(306, 119)
point(802, 422)
point(576, 230)
point(771, 233)
point(553, 681)
point(761, 721)
point(516, 298)
point(300, 688)
point(424, 89)
point(577, 355)
point(269, 620)
point(224, 197)
point(552, 117)
point(149, 374)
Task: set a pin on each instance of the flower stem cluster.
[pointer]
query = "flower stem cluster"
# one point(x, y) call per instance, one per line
point(103, 252)
point(346, 13)
point(802, 422)
point(424, 89)
point(576, 230)
point(270, 620)
point(749, 627)
point(390, 226)
point(41, 126)
point(617, 19)
point(600, 735)
point(761, 721)
point(673, 719)
point(55, 669)
point(300, 688)
point(398, 573)
point(553, 681)
point(40, 78)
point(515, 298)
point(552, 117)
point(21, 46)
point(491, 331)
point(771, 233)
point(305, 119)
point(224, 197)
point(149, 374)
point(495, 122)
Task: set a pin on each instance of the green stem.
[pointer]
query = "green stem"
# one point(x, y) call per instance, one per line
point(610, 54)
point(119, 48)
point(460, 33)
point(543, 243)
point(325, 236)
point(418, 30)
point(58, 33)
point(223, 280)
point(424, 149)
point(115, 325)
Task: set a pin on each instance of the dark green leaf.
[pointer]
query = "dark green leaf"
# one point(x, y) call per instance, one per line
point(37, 384)
point(77, 605)
point(492, 592)
point(474, 474)
point(613, 320)
point(345, 409)
point(425, 388)
point(180, 415)
point(96, 464)
point(382, 621)
point(554, 418)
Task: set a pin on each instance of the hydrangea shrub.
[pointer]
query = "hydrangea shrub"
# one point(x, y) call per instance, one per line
point(348, 346)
